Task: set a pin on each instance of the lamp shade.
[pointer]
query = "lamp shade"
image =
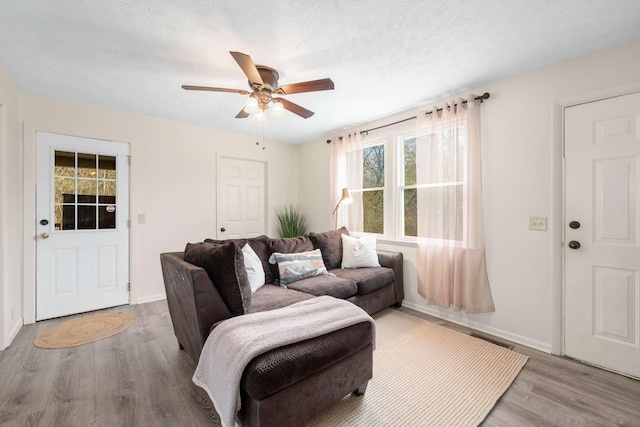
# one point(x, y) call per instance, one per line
point(252, 107)
point(346, 197)
point(260, 117)
point(277, 110)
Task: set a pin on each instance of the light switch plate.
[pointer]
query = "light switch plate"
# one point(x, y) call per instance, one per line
point(538, 223)
point(142, 218)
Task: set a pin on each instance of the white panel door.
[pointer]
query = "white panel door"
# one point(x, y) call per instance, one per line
point(240, 198)
point(602, 240)
point(82, 230)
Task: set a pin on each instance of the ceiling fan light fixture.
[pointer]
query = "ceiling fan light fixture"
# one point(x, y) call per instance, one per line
point(252, 107)
point(277, 110)
point(259, 118)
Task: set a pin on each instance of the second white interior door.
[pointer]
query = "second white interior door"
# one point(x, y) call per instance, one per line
point(240, 198)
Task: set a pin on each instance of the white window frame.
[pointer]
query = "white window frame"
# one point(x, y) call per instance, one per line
point(394, 186)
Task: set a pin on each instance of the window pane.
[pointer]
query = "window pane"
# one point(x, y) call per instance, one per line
point(65, 163)
point(87, 189)
point(410, 212)
point(65, 217)
point(107, 188)
point(86, 165)
point(373, 211)
point(440, 158)
point(86, 217)
point(409, 161)
point(106, 217)
point(373, 167)
point(65, 190)
point(107, 167)
point(443, 218)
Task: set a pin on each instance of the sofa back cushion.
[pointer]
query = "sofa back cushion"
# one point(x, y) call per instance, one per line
point(224, 263)
point(330, 244)
point(287, 245)
point(259, 246)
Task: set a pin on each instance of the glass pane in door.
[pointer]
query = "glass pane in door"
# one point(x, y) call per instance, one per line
point(84, 191)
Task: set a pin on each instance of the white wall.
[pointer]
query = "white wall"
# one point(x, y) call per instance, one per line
point(522, 177)
point(173, 180)
point(10, 213)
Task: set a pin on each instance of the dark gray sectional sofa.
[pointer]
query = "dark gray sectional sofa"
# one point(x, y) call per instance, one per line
point(213, 287)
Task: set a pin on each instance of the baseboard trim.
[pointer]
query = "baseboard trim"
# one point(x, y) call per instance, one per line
point(13, 333)
point(499, 333)
point(151, 298)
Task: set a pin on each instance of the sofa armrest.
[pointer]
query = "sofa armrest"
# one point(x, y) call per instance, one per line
point(194, 302)
point(394, 261)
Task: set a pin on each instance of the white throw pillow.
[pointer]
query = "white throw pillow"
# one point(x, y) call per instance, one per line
point(359, 252)
point(253, 266)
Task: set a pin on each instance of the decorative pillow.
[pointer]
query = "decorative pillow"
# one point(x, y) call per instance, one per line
point(292, 267)
point(225, 266)
point(259, 246)
point(359, 252)
point(287, 245)
point(330, 244)
point(253, 266)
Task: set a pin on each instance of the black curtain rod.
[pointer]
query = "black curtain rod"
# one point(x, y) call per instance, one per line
point(480, 98)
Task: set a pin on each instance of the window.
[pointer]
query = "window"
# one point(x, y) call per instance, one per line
point(84, 191)
point(432, 174)
point(397, 172)
point(369, 187)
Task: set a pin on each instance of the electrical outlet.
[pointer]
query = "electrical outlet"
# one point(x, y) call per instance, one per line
point(142, 219)
point(538, 223)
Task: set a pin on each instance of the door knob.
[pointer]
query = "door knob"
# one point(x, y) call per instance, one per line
point(574, 245)
point(574, 225)
point(44, 235)
point(223, 229)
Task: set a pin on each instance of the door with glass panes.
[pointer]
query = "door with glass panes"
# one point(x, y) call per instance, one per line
point(82, 230)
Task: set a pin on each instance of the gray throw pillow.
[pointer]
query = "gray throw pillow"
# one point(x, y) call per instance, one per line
point(330, 244)
point(225, 266)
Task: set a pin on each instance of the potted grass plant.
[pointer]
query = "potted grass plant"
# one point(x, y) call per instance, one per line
point(291, 222)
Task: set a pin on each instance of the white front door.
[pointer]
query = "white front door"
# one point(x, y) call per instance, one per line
point(241, 199)
point(602, 233)
point(82, 231)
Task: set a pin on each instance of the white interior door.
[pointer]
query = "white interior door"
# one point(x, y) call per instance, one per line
point(82, 229)
point(240, 198)
point(602, 233)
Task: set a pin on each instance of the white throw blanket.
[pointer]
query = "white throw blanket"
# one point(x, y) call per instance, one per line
point(238, 340)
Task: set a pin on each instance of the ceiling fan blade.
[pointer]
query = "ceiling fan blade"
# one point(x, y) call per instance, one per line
point(248, 67)
point(242, 114)
point(310, 86)
point(295, 108)
point(215, 89)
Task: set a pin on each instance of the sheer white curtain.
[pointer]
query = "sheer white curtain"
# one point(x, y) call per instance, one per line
point(346, 171)
point(451, 259)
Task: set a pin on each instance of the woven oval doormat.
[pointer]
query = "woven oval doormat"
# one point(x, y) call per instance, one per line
point(83, 330)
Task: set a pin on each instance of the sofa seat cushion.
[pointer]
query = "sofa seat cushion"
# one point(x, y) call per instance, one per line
point(326, 285)
point(368, 279)
point(279, 368)
point(270, 297)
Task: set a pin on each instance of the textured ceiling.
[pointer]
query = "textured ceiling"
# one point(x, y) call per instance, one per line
point(384, 56)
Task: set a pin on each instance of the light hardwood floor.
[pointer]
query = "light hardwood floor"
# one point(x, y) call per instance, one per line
point(140, 378)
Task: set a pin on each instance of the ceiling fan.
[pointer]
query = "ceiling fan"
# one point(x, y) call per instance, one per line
point(263, 82)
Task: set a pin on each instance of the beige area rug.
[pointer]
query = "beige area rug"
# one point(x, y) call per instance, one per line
point(83, 330)
point(427, 375)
